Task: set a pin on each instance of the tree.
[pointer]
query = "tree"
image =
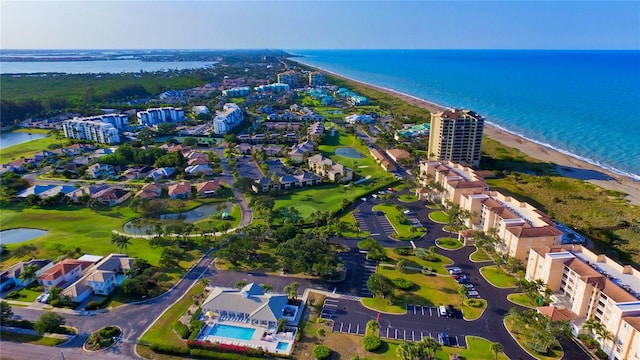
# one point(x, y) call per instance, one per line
point(496, 348)
point(48, 322)
point(120, 241)
point(463, 291)
point(321, 352)
point(5, 312)
point(498, 259)
point(292, 290)
point(593, 326)
point(28, 273)
point(380, 285)
point(406, 351)
point(266, 287)
point(400, 265)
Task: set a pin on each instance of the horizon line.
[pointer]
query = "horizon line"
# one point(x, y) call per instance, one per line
point(317, 49)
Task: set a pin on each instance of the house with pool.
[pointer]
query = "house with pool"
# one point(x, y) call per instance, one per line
point(250, 317)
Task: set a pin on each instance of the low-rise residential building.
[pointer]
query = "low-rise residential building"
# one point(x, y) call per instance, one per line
point(412, 132)
point(592, 286)
point(382, 159)
point(275, 88)
point(359, 118)
point(149, 191)
point(63, 273)
point(112, 196)
point(161, 173)
point(197, 170)
point(181, 190)
point(315, 131)
point(207, 188)
point(241, 91)
point(227, 119)
point(155, 116)
point(329, 169)
point(100, 279)
point(100, 171)
point(91, 129)
point(398, 155)
point(300, 151)
point(12, 275)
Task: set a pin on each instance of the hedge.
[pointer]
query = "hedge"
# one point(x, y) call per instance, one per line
point(201, 353)
point(228, 348)
point(181, 329)
point(402, 284)
point(169, 349)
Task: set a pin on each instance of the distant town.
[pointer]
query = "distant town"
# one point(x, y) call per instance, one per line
point(284, 212)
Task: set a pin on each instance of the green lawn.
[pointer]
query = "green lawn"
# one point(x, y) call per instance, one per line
point(522, 299)
point(30, 339)
point(403, 231)
point(498, 277)
point(379, 304)
point(439, 217)
point(414, 261)
point(449, 243)
point(160, 332)
point(407, 198)
point(27, 294)
point(29, 148)
point(480, 256)
point(520, 338)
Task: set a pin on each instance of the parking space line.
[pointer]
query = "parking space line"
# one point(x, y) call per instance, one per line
point(414, 309)
point(405, 334)
point(349, 331)
point(358, 329)
point(421, 336)
point(413, 336)
point(396, 334)
point(430, 311)
point(422, 309)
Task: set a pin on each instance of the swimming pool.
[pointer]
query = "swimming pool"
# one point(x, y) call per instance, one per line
point(232, 332)
point(282, 346)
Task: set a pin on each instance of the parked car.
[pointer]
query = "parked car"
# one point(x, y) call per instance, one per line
point(45, 298)
point(469, 286)
point(442, 310)
point(40, 297)
point(472, 293)
point(444, 339)
point(462, 279)
point(407, 212)
point(455, 270)
point(451, 311)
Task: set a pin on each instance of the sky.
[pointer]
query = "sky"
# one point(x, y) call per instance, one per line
point(289, 25)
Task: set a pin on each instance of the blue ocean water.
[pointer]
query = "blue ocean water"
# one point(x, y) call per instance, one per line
point(583, 103)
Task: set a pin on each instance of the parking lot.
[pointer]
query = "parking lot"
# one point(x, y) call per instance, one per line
point(247, 168)
point(351, 317)
point(375, 222)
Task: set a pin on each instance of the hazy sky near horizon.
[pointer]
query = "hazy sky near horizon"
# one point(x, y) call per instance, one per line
point(110, 24)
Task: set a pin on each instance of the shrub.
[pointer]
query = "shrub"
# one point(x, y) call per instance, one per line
point(601, 354)
point(92, 305)
point(109, 332)
point(169, 349)
point(194, 328)
point(321, 352)
point(322, 332)
point(402, 284)
point(371, 343)
point(474, 303)
point(320, 320)
point(181, 329)
point(403, 250)
point(13, 295)
point(55, 302)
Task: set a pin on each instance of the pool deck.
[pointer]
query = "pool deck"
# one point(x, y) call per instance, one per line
point(264, 338)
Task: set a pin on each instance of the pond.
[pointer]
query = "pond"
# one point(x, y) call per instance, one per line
point(15, 236)
point(14, 138)
point(202, 212)
point(349, 152)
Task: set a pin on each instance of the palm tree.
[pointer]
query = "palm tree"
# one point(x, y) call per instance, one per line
point(204, 281)
point(496, 348)
point(292, 290)
point(266, 287)
point(28, 273)
point(428, 347)
point(406, 351)
point(121, 242)
point(400, 265)
point(240, 284)
point(594, 326)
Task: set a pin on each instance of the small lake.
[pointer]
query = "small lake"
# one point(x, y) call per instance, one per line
point(202, 212)
point(349, 152)
point(15, 236)
point(14, 138)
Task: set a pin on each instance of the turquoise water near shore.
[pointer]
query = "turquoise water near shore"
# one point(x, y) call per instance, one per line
point(582, 103)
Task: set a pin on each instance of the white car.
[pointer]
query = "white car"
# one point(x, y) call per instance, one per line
point(455, 270)
point(408, 212)
point(472, 293)
point(469, 286)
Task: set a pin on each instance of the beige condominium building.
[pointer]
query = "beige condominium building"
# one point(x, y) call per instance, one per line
point(456, 136)
point(593, 286)
point(519, 225)
point(288, 77)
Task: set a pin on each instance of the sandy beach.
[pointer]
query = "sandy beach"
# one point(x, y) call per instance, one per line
point(567, 166)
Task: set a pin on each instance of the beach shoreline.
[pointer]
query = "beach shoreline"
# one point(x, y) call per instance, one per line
point(566, 165)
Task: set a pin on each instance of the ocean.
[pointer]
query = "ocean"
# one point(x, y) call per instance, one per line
point(583, 103)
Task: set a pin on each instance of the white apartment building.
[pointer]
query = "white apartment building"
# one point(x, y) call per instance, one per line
point(157, 116)
point(275, 87)
point(593, 286)
point(316, 78)
point(93, 130)
point(227, 119)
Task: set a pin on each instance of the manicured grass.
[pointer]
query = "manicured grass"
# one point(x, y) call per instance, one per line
point(407, 198)
point(439, 217)
point(403, 231)
point(380, 304)
point(160, 332)
point(29, 148)
point(449, 243)
point(414, 261)
point(30, 339)
point(473, 313)
point(350, 226)
point(235, 216)
point(477, 348)
point(520, 338)
point(27, 295)
point(480, 256)
point(522, 299)
point(498, 277)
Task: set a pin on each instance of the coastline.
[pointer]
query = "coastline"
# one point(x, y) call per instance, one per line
point(566, 165)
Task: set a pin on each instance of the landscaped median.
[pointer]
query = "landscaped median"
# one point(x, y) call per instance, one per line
point(439, 217)
point(498, 277)
point(404, 230)
point(522, 299)
point(479, 256)
point(449, 243)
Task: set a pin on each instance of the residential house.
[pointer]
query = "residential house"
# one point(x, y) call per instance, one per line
point(11, 276)
point(399, 155)
point(46, 191)
point(100, 171)
point(112, 196)
point(300, 151)
point(198, 161)
point(137, 172)
point(207, 188)
point(161, 173)
point(181, 190)
point(63, 273)
point(382, 159)
point(329, 169)
point(100, 279)
point(198, 170)
point(149, 191)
